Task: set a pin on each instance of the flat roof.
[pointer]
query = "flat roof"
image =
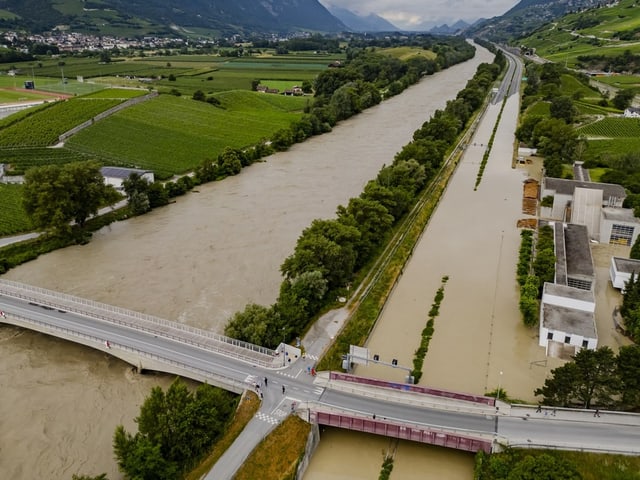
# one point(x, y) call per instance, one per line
point(619, 215)
point(627, 265)
point(569, 292)
point(566, 187)
point(578, 252)
point(569, 321)
point(121, 172)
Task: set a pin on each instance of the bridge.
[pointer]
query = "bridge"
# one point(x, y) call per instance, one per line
point(455, 420)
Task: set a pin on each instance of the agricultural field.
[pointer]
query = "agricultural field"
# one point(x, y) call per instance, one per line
point(619, 81)
point(404, 53)
point(172, 135)
point(612, 127)
point(21, 159)
point(43, 127)
point(117, 93)
point(539, 108)
point(13, 219)
point(611, 147)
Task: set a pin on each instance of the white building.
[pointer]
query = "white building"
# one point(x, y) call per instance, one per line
point(619, 226)
point(632, 112)
point(567, 319)
point(116, 175)
point(567, 308)
point(621, 270)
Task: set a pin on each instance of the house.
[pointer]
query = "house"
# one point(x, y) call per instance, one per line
point(621, 271)
point(115, 176)
point(632, 112)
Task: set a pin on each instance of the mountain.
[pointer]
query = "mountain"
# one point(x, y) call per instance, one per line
point(361, 23)
point(454, 29)
point(161, 16)
point(528, 15)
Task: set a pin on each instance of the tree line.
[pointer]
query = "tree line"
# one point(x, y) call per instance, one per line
point(330, 252)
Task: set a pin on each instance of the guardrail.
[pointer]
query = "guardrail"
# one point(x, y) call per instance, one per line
point(467, 397)
point(175, 331)
point(232, 383)
point(451, 438)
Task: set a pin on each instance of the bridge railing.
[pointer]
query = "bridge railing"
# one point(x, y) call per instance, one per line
point(232, 383)
point(140, 321)
point(461, 439)
point(466, 397)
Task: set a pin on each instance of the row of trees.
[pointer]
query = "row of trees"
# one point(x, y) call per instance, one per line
point(330, 252)
point(543, 266)
point(596, 378)
point(175, 429)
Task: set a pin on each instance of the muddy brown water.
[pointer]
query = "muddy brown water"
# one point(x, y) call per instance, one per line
point(196, 262)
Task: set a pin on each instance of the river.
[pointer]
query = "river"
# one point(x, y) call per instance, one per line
point(197, 262)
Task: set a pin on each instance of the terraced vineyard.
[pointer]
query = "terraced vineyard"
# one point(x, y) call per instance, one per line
point(12, 217)
point(613, 127)
point(43, 127)
point(21, 159)
point(171, 135)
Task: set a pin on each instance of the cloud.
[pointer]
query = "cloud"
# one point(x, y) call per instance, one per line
point(408, 14)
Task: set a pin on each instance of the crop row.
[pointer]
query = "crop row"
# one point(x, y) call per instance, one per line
point(117, 93)
point(171, 135)
point(613, 127)
point(13, 219)
point(45, 126)
point(21, 159)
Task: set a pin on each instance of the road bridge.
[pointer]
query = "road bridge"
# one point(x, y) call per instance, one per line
point(463, 421)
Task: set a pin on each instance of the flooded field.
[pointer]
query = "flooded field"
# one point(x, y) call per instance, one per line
point(196, 262)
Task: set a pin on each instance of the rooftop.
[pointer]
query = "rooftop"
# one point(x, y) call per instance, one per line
point(619, 215)
point(566, 187)
point(578, 253)
point(569, 292)
point(121, 172)
point(627, 265)
point(569, 321)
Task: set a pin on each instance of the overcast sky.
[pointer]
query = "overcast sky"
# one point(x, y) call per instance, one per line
point(409, 14)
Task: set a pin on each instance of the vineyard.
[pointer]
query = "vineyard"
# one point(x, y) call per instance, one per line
point(172, 135)
point(13, 219)
point(612, 127)
point(21, 159)
point(43, 127)
point(117, 93)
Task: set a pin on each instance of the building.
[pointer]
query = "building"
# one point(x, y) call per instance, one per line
point(563, 191)
point(632, 112)
point(115, 176)
point(619, 226)
point(567, 320)
point(621, 270)
point(567, 308)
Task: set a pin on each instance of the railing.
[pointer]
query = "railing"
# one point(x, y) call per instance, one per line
point(417, 433)
point(467, 397)
point(140, 321)
point(228, 381)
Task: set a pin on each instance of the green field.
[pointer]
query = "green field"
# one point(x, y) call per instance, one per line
point(612, 127)
point(539, 108)
point(171, 135)
point(21, 159)
point(605, 148)
point(404, 53)
point(12, 217)
point(620, 81)
point(43, 127)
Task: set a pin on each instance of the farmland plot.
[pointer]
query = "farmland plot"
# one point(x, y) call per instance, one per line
point(612, 127)
point(171, 135)
point(13, 219)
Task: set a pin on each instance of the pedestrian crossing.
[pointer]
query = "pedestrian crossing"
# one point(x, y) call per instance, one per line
point(268, 418)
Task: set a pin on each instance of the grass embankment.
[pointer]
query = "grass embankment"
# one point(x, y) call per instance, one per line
point(278, 455)
point(245, 412)
point(590, 466)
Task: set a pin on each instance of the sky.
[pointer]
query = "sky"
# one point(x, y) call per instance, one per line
point(410, 14)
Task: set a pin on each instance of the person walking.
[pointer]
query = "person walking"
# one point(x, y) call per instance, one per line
point(283, 389)
point(596, 413)
point(266, 381)
point(539, 408)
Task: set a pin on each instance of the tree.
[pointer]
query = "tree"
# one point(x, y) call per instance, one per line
point(199, 96)
point(623, 98)
point(251, 325)
point(629, 374)
point(562, 107)
point(55, 195)
point(635, 249)
point(373, 221)
point(543, 467)
point(102, 476)
point(591, 378)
